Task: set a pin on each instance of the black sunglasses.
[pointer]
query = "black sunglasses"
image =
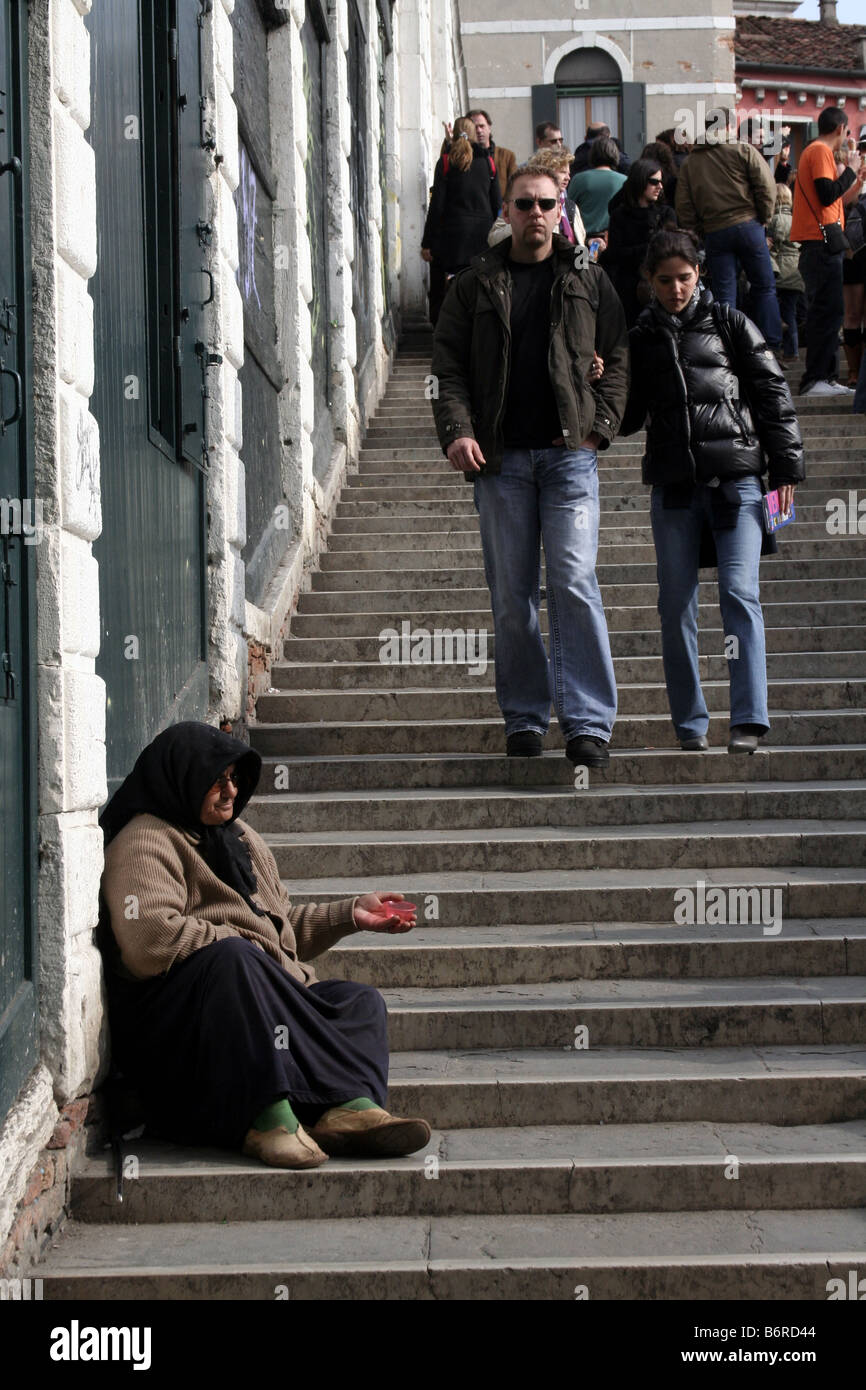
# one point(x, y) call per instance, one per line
point(655, 181)
point(527, 204)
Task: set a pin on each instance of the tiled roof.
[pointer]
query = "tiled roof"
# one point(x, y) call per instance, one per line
point(771, 41)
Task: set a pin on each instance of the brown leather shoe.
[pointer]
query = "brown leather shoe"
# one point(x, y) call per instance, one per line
point(369, 1133)
point(280, 1149)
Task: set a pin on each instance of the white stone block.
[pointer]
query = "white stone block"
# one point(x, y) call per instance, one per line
point(228, 6)
point(230, 388)
point(87, 1035)
point(84, 740)
point(74, 192)
point(48, 597)
point(83, 6)
point(25, 1131)
point(231, 317)
point(70, 57)
point(308, 397)
point(223, 45)
point(299, 105)
point(78, 455)
point(304, 266)
point(298, 10)
point(227, 131)
point(79, 590)
point(227, 222)
point(234, 519)
point(74, 327)
point(49, 705)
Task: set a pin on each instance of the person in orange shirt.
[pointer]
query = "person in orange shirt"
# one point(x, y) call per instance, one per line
point(818, 198)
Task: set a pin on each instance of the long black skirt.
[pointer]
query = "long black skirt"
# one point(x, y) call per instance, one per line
point(228, 1031)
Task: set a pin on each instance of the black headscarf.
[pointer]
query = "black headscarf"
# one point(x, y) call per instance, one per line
point(171, 778)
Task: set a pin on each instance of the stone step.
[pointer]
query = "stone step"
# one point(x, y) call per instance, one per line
point(460, 613)
point(352, 706)
point(681, 1255)
point(566, 1168)
point(361, 677)
point(632, 768)
point(620, 542)
point(596, 1014)
point(517, 849)
point(485, 898)
point(613, 579)
point(628, 638)
point(489, 809)
point(452, 957)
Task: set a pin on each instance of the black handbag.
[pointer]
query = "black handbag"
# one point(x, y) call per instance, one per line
point(835, 239)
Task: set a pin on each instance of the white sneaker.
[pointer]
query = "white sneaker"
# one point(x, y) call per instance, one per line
point(821, 388)
point(840, 389)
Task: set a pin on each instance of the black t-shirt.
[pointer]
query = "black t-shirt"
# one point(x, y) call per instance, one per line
point(531, 417)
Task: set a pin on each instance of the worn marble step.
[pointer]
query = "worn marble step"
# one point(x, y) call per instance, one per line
point(484, 810)
point(435, 957)
point(614, 587)
point(469, 573)
point(487, 736)
point(633, 632)
point(655, 1255)
point(456, 610)
point(633, 768)
point(537, 1169)
point(618, 544)
point(371, 676)
point(716, 844)
point(467, 898)
point(483, 1088)
point(636, 1014)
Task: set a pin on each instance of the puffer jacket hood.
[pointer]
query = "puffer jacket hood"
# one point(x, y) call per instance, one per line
point(714, 398)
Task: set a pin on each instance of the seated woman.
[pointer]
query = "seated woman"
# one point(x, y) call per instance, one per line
point(214, 1016)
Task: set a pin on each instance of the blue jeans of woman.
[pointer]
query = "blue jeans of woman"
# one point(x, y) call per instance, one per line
point(677, 536)
point(788, 302)
point(549, 494)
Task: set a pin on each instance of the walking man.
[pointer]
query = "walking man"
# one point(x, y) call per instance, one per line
point(726, 193)
point(818, 199)
point(517, 414)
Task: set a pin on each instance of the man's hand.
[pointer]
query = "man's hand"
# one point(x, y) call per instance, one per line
point(426, 253)
point(592, 441)
point(368, 913)
point(786, 498)
point(596, 371)
point(465, 455)
point(449, 129)
point(853, 159)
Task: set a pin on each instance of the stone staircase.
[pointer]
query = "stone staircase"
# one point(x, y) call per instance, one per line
point(625, 1106)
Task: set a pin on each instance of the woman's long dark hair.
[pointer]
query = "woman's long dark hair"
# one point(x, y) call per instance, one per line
point(637, 179)
point(667, 244)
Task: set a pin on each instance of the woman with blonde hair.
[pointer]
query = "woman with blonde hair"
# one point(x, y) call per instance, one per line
point(463, 206)
point(785, 258)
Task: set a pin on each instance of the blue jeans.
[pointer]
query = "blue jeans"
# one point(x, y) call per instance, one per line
point(677, 535)
point(788, 301)
point(549, 494)
point(825, 309)
point(745, 244)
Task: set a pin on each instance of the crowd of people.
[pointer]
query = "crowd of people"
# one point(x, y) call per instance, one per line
point(543, 357)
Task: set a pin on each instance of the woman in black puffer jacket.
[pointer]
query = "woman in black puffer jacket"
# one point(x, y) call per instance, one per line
point(715, 403)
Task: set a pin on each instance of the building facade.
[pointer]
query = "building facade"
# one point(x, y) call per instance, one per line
point(211, 214)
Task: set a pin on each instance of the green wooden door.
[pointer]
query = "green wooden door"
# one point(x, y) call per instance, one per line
point(19, 536)
point(149, 292)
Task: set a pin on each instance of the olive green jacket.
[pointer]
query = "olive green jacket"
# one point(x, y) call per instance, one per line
point(724, 183)
point(472, 343)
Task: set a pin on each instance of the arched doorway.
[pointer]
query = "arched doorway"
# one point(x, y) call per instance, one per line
point(588, 91)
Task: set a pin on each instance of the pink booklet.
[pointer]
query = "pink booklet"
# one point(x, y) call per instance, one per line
point(774, 518)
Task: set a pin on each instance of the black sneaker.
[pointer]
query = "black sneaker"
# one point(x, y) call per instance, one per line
point(526, 744)
point(586, 751)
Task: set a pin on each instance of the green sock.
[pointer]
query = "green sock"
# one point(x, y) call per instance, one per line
point(278, 1113)
point(361, 1103)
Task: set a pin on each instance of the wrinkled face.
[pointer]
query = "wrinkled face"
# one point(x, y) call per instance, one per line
point(218, 805)
point(674, 283)
point(533, 227)
point(482, 129)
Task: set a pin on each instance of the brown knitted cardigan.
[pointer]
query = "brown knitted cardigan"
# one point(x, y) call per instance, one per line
point(165, 903)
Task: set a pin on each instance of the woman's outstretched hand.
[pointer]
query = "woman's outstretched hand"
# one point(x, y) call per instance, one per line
point(371, 913)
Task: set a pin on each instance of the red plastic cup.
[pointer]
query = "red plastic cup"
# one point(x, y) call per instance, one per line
point(401, 909)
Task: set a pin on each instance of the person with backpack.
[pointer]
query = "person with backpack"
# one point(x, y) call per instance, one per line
point(718, 414)
point(463, 206)
point(785, 260)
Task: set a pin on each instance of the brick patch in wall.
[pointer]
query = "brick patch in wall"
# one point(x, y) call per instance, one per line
point(45, 1204)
